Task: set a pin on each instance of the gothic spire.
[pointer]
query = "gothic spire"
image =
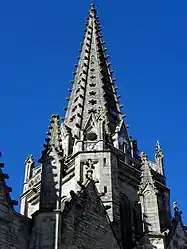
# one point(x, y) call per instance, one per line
point(93, 91)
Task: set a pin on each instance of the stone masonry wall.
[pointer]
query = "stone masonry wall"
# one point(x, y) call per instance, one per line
point(85, 225)
point(14, 229)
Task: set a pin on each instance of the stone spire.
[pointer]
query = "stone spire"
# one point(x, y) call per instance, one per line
point(93, 89)
point(159, 155)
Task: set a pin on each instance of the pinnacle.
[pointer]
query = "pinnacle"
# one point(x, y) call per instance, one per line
point(159, 152)
point(53, 135)
point(146, 171)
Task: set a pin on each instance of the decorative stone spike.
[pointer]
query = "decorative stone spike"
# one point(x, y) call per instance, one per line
point(5, 176)
point(9, 189)
point(67, 99)
point(14, 202)
point(2, 165)
point(127, 126)
point(121, 106)
point(72, 81)
point(76, 65)
point(62, 118)
point(124, 116)
point(118, 96)
point(74, 73)
point(70, 90)
point(65, 108)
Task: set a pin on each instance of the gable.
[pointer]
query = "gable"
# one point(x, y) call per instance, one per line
point(178, 237)
point(85, 223)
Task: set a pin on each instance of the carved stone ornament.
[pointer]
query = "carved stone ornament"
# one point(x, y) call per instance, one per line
point(89, 169)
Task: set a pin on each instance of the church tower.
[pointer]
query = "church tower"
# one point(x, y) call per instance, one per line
point(91, 169)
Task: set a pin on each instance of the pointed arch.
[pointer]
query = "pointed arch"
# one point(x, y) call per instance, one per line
point(126, 218)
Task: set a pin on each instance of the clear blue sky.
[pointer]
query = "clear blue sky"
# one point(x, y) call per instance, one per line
point(147, 42)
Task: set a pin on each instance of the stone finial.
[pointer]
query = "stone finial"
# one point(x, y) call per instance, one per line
point(89, 169)
point(92, 10)
point(159, 152)
point(29, 160)
point(143, 157)
point(177, 213)
point(92, 6)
